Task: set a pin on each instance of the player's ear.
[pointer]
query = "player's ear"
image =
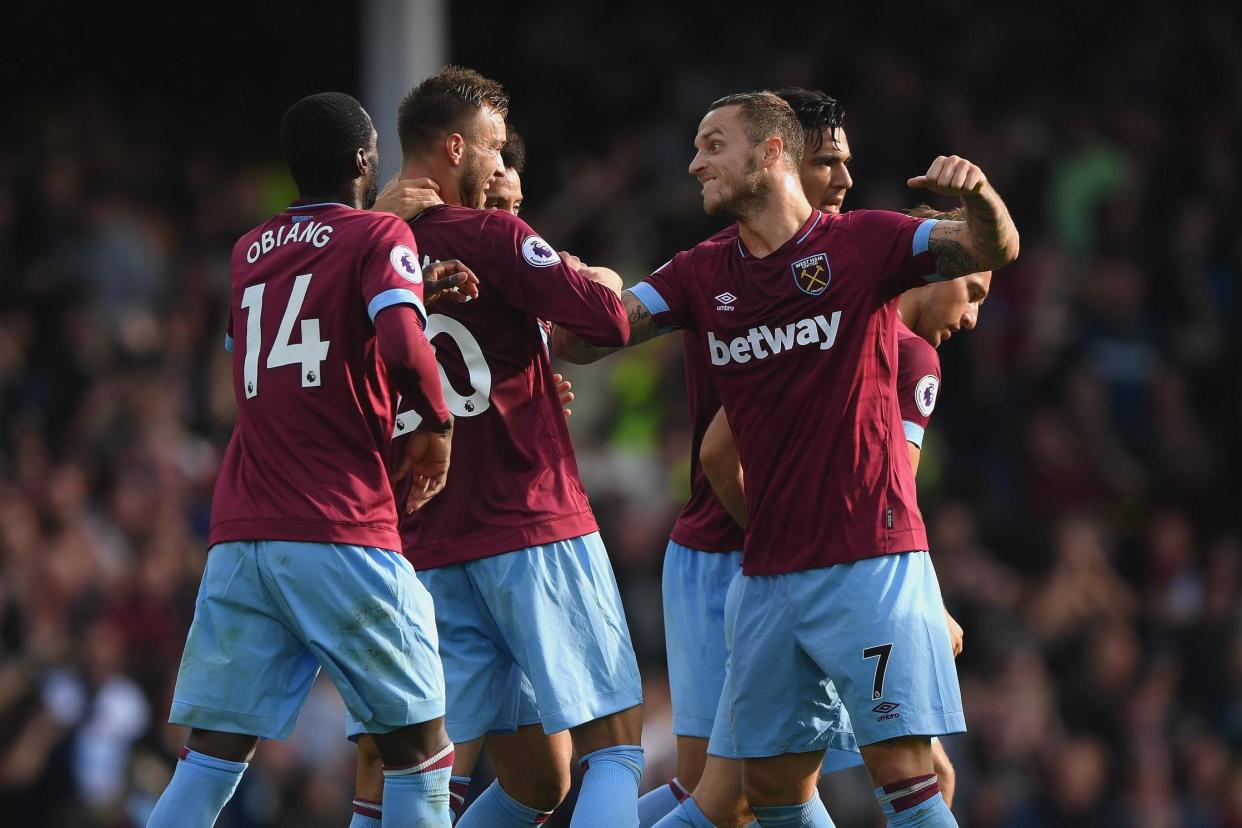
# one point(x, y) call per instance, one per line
point(455, 146)
point(772, 150)
point(360, 162)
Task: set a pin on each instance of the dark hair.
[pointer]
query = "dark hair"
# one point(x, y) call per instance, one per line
point(926, 211)
point(320, 136)
point(444, 103)
point(817, 112)
point(765, 114)
point(514, 152)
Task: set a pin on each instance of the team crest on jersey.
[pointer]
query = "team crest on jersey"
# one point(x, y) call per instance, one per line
point(405, 262)
point(925, 394)
point(538, 253)
point(812, 274)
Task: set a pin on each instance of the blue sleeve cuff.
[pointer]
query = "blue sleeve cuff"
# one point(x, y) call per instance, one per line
point(396, 296)
point(228, 343)
point(922, 236)
point(649, 296)
point(922, 240)
point(914, 433)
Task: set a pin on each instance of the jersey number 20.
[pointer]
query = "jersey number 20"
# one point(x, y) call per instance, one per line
point(479, 399)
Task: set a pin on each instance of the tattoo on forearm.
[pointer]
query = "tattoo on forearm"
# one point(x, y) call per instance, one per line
point(991, 230)
point(952, 258)
point(642, 325)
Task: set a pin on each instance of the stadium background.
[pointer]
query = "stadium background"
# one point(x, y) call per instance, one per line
point(1078, 478)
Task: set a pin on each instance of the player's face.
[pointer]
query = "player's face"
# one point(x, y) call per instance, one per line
point(481, 162)
point(370, 188)
point(726, 164)
point(825, 172)
point(505, 193)
point(952, 306)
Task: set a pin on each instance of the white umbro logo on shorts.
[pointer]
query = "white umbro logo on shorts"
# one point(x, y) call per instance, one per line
point(726, 301)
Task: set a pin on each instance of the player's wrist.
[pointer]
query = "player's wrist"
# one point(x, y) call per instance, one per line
point(436, 425)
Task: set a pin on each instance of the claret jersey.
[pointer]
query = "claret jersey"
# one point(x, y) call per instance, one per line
point(307, 459)
point(802, 348)
point(513, 482)
point(918, 382)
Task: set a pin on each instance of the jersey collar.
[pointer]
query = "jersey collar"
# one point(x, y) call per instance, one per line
point(816, 217)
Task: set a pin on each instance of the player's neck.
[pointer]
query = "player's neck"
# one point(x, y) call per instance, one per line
point(765, 230)
point(445, 180)
point(349, 198)
point(906, 312)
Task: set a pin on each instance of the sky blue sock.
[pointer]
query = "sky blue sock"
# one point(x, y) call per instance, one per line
point(419, 795)
point(459, 786)
point(915, 802)
point(609, 793)
point(496, 809)
point(654, 804)
point(367, 814)
point(198, 792)
point(811, 814)
point(685, 815)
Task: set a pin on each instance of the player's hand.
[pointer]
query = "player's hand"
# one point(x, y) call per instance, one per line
point(564, 390)
point(407, 197)
point(604, 276)
point(951, 176)
point(426, 462)
point(956, 634)
point(451, 281)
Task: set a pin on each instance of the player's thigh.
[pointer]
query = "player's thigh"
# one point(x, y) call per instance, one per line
point(775, 693)
point(371, 624)
point(559, 610)
point(876, 626)
point(482, 681)
point(533, 767)
point(694, 587)
point(243, 669)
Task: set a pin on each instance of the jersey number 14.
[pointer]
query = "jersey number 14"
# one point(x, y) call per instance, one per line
point(309, 353)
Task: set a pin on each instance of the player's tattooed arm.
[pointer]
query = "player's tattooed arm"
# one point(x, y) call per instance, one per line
point(572, 348)
point(987, 239)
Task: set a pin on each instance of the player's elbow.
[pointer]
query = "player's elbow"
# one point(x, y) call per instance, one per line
point(1009, 254)
point(719, 463)
point(1004, 253)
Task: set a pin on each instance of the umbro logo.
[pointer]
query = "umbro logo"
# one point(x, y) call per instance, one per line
point(887, 710)
point(726, 301)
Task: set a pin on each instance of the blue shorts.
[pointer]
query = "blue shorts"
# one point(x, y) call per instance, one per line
point(875, 627)
point(694, 588)
point(526, 712)
point(696, 585)
point(548, 616)
point(271, 613)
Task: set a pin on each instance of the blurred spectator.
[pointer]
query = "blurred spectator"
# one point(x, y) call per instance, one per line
point(1077, 483)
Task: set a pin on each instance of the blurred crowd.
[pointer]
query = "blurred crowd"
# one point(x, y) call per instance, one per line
point(1075, 479)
